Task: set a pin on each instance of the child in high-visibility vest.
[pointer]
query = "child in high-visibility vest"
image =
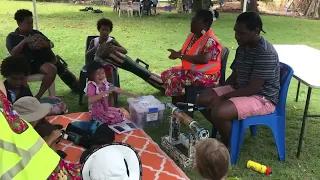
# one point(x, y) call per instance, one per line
point(212, 159)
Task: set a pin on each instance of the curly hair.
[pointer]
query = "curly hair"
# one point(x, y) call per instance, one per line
point(21, 14)
point(14, 65)
point(105, 22)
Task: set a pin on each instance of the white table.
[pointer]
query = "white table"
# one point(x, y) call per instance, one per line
point(305, 62)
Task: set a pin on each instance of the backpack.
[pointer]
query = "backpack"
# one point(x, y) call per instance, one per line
point(89, 133)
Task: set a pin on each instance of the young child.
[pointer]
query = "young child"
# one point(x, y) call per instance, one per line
point(212, 159)
point(105, 27)
point(98, 89)
point(15, 70)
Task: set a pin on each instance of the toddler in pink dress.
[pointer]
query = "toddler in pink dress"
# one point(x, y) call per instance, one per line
point(98, 89)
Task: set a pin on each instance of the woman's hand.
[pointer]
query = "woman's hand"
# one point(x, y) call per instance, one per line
point(53, 137)
point(174, 54)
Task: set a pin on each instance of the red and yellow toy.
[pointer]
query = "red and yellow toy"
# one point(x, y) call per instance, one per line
point(259, 167)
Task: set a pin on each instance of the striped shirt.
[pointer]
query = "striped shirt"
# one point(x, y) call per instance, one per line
point(260, 62)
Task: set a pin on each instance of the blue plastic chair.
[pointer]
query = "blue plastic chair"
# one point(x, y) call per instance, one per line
point(275, 121)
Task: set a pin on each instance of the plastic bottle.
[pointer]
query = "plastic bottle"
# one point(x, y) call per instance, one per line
point(259, 167)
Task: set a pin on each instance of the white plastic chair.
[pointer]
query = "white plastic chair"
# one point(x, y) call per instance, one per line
point(136, 7)
point(123, 7)
point(39, 77)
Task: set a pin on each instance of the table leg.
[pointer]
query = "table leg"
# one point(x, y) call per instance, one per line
point(305, 114)
point(298, 89)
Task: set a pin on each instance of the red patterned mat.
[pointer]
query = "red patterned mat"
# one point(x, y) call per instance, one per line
point(156, 164)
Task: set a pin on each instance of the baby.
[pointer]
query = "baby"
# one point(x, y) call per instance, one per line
point(212, 159)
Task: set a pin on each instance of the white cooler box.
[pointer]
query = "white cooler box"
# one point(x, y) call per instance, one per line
point(146, 111)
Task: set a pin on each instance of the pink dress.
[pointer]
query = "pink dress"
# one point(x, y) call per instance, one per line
point(100, 110)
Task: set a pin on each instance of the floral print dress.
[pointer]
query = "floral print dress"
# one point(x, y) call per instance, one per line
point(64, 170)
point(176, 78)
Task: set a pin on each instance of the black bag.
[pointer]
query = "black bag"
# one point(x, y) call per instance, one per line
point(89, 133)
point(66, 76)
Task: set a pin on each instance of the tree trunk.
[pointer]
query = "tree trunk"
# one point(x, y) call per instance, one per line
point(252, 6)
point(313, 10)
point(179, 6)
point(196, 5)
point(206, 4)
point(200, 4)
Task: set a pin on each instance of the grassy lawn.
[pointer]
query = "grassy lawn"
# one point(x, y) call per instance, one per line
point(148, 38)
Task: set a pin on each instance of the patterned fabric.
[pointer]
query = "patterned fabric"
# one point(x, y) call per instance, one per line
point(176, 78)
point(58, 106)
point(17, 125)
point(100, 110)
point(66, 171)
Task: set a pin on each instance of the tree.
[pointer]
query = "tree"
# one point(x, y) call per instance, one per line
point(252, 5)
point(200, 4)
point(310, 8)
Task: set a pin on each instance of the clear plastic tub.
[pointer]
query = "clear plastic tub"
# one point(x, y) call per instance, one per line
point(146, 111)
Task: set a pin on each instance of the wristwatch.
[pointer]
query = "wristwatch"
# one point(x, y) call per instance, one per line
point(181, 55)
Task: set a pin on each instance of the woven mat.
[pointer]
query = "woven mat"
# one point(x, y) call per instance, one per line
point(156, 164)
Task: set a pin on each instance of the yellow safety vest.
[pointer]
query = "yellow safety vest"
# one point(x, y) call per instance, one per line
point(24, 156)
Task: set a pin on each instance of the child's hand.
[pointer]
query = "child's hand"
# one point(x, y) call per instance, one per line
point(106, 92)
point(117, 90)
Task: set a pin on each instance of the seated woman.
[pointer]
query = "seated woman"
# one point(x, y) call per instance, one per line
point(200, 56)
point(105, 27)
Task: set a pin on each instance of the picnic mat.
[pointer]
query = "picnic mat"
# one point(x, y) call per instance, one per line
point(156, 164)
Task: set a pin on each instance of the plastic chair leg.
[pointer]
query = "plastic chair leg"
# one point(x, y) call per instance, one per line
point(280, 139)
point(237, 135)
point(82, 83)
point(52, 89)
point(254, 130)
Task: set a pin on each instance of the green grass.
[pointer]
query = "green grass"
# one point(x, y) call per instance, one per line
point(148, 38)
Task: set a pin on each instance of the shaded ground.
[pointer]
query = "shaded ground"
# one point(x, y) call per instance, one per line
point(148, 38)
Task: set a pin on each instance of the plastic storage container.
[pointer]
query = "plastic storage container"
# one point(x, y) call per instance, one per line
point(146, 111)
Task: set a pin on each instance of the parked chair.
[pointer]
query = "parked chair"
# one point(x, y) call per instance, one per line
point(124, 8)
point(136, 7)
point(83, 75)
point(191, 92)
point(146, 7)
point(275, 121)
point(39, 77)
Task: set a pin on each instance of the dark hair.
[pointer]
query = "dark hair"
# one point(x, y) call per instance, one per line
point(21, 14)
point(104, 22)
point(93, 67)
point(207, 16)
point(14, 64)
point(252, 21)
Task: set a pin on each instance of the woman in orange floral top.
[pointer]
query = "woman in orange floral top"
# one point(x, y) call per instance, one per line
point(176, 78)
